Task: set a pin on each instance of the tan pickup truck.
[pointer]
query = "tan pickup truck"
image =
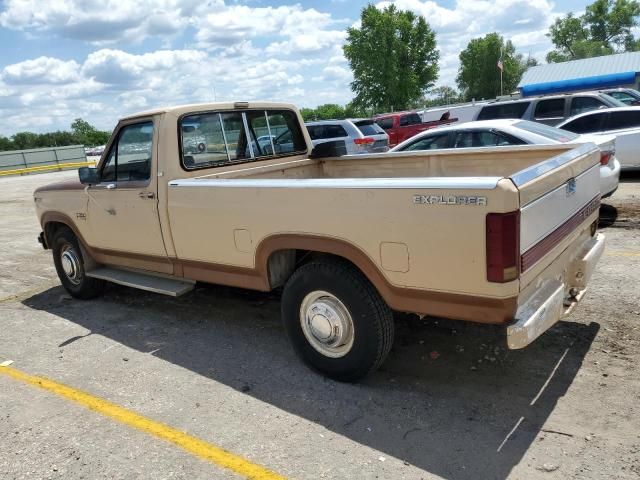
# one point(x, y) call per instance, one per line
point(231, 193)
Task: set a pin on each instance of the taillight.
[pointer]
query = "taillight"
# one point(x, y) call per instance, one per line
point(503, 246)
point(364, 141)
point(605, 156)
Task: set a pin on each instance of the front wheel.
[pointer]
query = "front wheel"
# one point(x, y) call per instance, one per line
point(336, 320)
point(67, 258)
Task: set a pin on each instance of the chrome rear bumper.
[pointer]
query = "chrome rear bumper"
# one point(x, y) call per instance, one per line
point(555, 298)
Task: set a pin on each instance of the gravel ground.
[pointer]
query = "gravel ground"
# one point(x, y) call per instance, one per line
point(450, 402)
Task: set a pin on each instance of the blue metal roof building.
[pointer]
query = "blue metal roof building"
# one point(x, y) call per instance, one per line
point(620, 70)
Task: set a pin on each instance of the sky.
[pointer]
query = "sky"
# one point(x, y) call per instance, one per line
point(102, 59)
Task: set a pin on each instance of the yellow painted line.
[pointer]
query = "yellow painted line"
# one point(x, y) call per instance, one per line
point(193, 445)
point(44, 168)
point(623, 254)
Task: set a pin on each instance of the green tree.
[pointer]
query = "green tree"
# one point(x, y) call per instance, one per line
point(6, 144)
point(479, 75)
point(443, 95)
point(81, 132)
point(25, 140)
point(86, 134)
point(606, 27)
point(393, 57)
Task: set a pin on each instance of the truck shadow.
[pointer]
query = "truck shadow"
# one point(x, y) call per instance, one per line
point(449, 400)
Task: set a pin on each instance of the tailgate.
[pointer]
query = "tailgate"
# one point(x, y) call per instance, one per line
point(559, 200)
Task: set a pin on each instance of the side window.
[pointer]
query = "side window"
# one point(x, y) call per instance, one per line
point(620, 120)
point(316, 132)
point(586, 124)
point(484, 138)
point(410, 119)
point(432, 142)
point(203, 141)
point(285, 128)
point(585, 104)
point(108, 173)
point(503, 110)
point(623, 97)
point(492, 139)
point(463, 140)
point(335, 131)
point(322, 132)
point(385, 123)
point(130, 156)
point(552, 108)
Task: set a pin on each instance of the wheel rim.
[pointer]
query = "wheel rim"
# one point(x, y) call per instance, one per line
point(326, 324)
point(71, 265)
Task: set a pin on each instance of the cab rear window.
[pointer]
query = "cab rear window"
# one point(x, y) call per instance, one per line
point(385, 123)
point(214, 139)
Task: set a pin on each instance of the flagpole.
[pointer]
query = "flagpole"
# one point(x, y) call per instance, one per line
point(501, 70)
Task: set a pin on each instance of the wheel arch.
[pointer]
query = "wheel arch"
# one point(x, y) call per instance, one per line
point(278, 256)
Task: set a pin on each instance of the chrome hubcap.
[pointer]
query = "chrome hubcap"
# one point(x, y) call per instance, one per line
point(71, 265)
point(326, 324)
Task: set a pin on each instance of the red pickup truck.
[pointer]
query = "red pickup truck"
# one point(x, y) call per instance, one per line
point(402, 125)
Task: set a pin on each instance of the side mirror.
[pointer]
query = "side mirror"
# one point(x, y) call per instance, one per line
point(88, 175)
point(335, 148)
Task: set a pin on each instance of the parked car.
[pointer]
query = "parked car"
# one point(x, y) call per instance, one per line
point(628, 96)
point(498, 133)
point(458, 113)
point(359, 135)
point(549, 109)
point(402, 125)
point(623, 123)
point(494, 242)
point(94, 151)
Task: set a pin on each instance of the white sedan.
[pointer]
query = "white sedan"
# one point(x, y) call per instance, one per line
point(497, 133)
point(621, 122)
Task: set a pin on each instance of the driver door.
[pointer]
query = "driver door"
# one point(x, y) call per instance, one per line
point(123, 208)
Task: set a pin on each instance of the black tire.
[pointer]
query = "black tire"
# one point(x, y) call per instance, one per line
point(372, 319)
point(78, 285)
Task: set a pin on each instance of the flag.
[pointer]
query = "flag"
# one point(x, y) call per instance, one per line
point(500, 65)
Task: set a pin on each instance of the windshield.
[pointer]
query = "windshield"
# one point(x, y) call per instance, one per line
point(615, 101)
point(543, 130)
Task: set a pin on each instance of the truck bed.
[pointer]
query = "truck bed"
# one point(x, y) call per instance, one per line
point(415, 197)
point(468, 162)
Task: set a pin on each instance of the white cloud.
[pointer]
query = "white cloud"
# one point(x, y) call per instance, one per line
point(105, 21)
point(120, 68)
point(41, 70)
point(213, 49)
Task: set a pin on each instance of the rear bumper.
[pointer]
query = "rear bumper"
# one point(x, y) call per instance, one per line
point(556, 297)
point(609, 177)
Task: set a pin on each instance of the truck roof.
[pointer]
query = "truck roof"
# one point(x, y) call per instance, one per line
point(196, 107)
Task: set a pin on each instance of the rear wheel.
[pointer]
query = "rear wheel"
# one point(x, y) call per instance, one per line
point(67, 258)
point(336, 320)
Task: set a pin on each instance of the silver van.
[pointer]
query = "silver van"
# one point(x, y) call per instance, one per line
point(549, 109)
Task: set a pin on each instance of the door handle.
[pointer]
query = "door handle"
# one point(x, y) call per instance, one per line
point(147, 195)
